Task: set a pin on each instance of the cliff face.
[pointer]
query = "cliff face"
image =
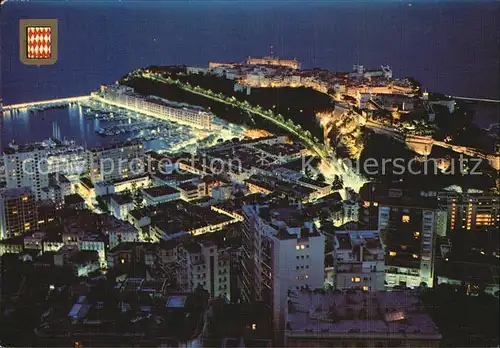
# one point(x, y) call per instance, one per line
point(343, 131)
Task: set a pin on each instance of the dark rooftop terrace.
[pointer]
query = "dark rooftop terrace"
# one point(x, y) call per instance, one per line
point(160, 191)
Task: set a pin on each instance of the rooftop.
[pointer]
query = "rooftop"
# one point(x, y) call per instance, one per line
point(176, 216)
point(288, 221)
point(397, 195)
point(73, 199)
point(160, 191)
point(187, 186)
point(117, 146)
point(16, 148)
point(122, 199)
point(313, 182)
point(129, 179)
point(177, 177)
point(155, 155)
point(174, 104)
point(358, 312)
point(370, 239)
point(15, 192)
point(84, 256)
point(87, 183)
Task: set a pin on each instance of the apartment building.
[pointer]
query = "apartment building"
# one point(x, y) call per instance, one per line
point(124, 96)
point(470, 211)
point(27, 166)
point(116, 161)
point(356, 262)
point(282, 250)
point(192, 190)
point(410, 226)
point(18, 212)
point(204, 264)
point(160, 194)
point(120, 206)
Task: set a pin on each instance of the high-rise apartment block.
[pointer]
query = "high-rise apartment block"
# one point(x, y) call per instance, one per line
point(470, 211)
point(116, 161)
point(203, 264)
point(410, 226)
point(282, 251)
point(27, 166)
point(18, 213)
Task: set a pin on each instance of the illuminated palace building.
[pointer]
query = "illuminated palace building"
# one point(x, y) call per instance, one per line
point(470, 211)
point(124, 96)
point(274, 61)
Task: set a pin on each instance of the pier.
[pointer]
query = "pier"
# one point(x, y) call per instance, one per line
point(61, 101)
point(477, 99)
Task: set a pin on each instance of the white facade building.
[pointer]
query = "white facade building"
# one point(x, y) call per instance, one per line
point(27, 166)
point(116, 161)
point(122, 233)
point(282, 252)
point(95, 243)
point(410, 230)
point(160, 194)
point(124, 96)
point(120, 206)
point(204, 264)
point(357, 261)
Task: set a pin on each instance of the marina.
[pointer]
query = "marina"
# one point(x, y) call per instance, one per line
point(89, 123)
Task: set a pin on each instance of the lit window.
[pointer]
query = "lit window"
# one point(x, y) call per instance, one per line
point(405, 218)
point(302, 246)
point(392, 253)
point(375, 204)
point(365, 288)
point(416, 234)
point(355, 279)
point(254, 326)
point(297, 247)
point(415, 256)
point(25, 198)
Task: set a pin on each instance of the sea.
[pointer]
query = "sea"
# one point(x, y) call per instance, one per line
point(449, 47)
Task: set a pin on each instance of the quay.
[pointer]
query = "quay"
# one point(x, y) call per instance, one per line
point(61, 101)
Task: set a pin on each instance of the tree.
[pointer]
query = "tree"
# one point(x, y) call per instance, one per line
point(320, 177)
point(337, 183)
point(147, 236)
point(308, 172)
point(138, 201)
